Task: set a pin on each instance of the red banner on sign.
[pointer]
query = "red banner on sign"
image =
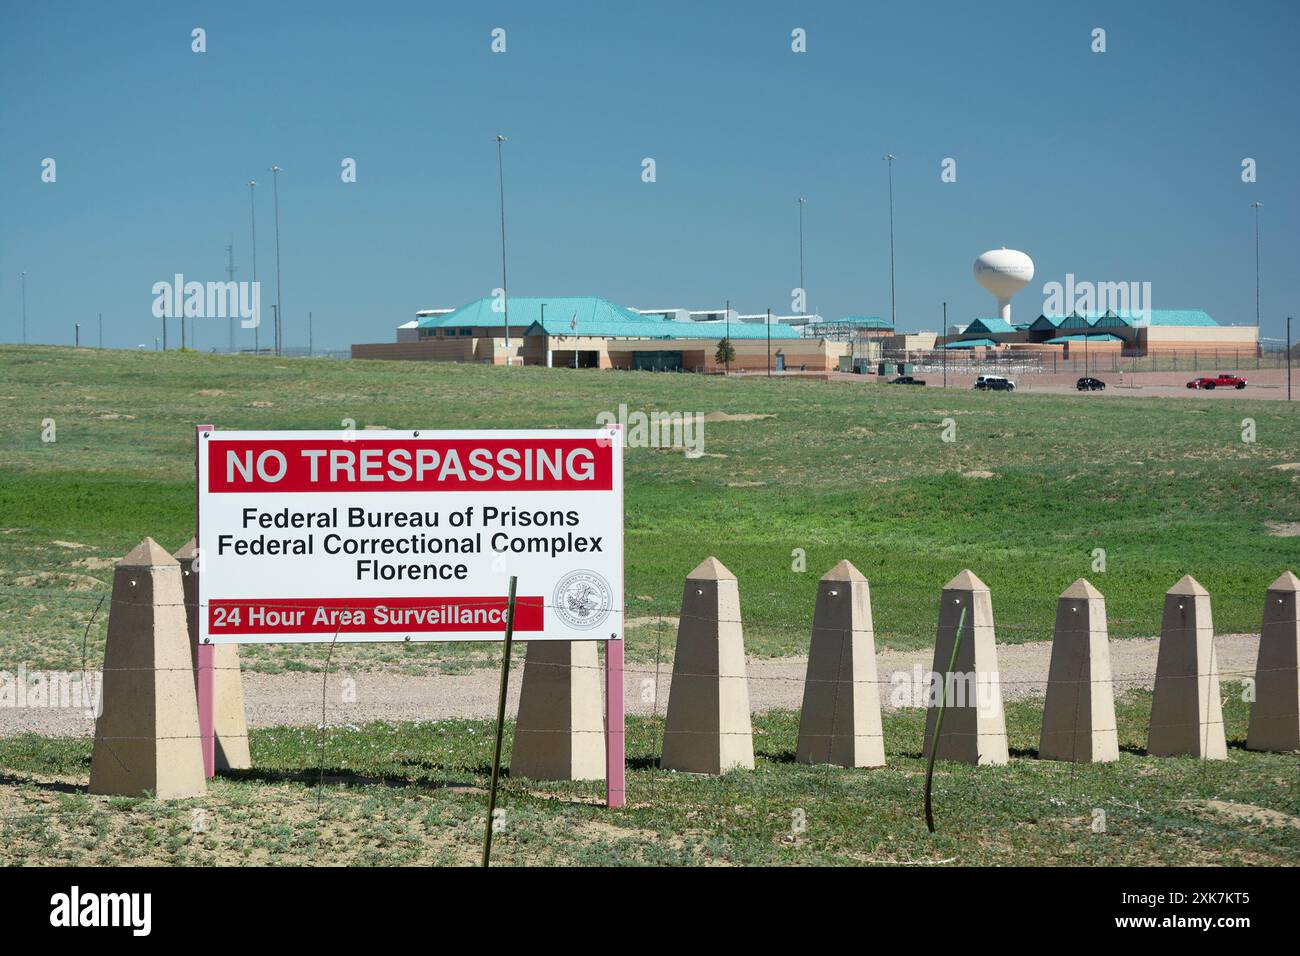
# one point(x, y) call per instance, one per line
point(414, 464)
point(371, 615)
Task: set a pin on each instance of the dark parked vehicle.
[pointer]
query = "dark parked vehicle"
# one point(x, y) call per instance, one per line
point(994, 383)
point(1090, 385)
point(906, 380)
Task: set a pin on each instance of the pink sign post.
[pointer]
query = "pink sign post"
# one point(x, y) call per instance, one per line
point(615, 725)
point(205, 653)
point(615, 795)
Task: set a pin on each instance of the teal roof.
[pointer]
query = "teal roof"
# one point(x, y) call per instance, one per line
point(990, 326)
point(1181, 317)
point(525, 310)
point(655, 329)
point(598, 317)
point(1090, 336)
point(1088, 320)
point(970, 344)
point(1164, 317)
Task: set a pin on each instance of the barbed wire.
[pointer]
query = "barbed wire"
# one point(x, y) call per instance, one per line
point(277, 603)
point(630, 669)
point(661, 731)
point(642, 618)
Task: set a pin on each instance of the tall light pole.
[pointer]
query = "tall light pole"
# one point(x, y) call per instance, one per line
point(803, 290)
point(501, 187)
point(279, 305)
point(893, 317)
point(1255, 206)
point(252, 218)
point(23, 277)
point(1288, 358)
point(231, 269)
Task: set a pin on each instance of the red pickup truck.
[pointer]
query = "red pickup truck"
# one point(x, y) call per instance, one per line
point(1222, 380)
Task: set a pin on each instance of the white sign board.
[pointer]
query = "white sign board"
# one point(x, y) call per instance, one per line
point(409, 536)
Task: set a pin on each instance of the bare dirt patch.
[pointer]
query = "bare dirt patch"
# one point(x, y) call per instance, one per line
point(210, 392)
point(1283, 529)
point(73, 545)
point(977, 474)
point(1246, 813)
point(726, 417)
point(94, 564)
point(1288, 466)
point(600, 831)
point(635, 622)
point(72, 582)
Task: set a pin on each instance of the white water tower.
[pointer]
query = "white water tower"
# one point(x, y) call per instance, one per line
point(1004, 272)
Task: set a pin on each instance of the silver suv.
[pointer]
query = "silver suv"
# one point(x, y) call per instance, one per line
point(995, 383)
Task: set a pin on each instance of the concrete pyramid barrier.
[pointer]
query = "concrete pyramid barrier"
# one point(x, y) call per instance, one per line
point(840, 719)
point(230, 723)
point(974, 724)
point(708, 727)
point(147, 737)
point(1275, 713)
point(560, 730)
point(1079, 712)
point(1186, 710)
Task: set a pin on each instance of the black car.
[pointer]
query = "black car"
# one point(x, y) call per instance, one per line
point(1090, 385)
point(906, 380)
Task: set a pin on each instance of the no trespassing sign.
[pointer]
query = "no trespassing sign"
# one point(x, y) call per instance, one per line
point(395, 536)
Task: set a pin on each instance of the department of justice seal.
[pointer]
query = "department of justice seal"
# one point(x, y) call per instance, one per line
point(583, 599)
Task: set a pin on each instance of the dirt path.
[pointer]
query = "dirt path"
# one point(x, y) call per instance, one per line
point(295, 699)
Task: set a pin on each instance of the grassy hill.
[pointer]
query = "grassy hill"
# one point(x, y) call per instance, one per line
point(1031, 486)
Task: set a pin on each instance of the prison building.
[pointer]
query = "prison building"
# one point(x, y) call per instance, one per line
point(1156, 332)
point(593, 332)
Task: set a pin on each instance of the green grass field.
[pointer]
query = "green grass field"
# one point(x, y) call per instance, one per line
point(839, 470)
point(416, 794)
point(1030, 488)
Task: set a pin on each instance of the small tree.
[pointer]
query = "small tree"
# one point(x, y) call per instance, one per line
point(725, 354)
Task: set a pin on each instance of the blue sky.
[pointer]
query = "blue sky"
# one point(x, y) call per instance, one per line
point(1119, 166)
